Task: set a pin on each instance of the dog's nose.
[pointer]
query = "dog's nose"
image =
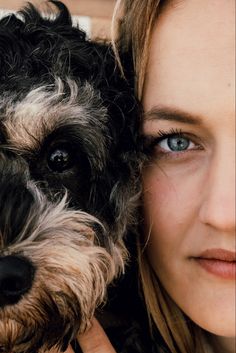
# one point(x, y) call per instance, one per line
point(16, 278)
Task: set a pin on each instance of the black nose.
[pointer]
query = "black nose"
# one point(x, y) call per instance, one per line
point(16, 278)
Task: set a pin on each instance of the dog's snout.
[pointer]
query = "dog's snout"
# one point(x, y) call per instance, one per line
point(16, 278)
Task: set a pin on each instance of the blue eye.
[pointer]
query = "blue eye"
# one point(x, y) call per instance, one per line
point(175, 143)
point(171, 144)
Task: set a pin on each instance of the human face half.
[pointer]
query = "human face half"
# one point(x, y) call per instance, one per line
point(189, 182)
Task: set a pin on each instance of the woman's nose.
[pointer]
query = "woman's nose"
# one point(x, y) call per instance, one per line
point(218, 198)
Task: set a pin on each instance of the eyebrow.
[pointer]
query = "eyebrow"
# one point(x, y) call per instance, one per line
point(172, 114)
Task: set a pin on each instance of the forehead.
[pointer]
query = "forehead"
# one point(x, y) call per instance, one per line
point(192, 56)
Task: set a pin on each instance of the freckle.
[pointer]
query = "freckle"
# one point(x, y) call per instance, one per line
point(229, 85)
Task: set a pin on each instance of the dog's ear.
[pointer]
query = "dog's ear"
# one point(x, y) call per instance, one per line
point(125, 113)
point(116, 192)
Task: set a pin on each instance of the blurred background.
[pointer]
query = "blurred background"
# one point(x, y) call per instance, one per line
point(94, 16)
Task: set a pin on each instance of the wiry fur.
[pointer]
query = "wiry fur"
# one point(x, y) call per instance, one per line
point(70, 280)
point(60, 91)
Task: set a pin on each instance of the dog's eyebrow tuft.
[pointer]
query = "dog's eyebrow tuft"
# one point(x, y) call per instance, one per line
point(45, 108)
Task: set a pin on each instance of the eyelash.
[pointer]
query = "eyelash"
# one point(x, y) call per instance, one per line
point(151, 142)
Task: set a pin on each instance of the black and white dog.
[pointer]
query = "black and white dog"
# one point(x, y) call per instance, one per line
point(68, 178)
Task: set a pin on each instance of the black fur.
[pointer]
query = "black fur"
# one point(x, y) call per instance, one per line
point(35, 51)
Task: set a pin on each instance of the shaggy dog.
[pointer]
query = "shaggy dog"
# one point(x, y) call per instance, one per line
point(68, 178)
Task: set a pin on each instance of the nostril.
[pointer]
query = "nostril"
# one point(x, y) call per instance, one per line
point(16, 278)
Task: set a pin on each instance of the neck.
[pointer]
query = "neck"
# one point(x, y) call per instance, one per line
point(222, 344)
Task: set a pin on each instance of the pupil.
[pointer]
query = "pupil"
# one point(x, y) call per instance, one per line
point(178, 143)
point(59, 157)
point(59, 160)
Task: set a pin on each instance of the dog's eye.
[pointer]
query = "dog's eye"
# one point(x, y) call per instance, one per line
point(61, 158)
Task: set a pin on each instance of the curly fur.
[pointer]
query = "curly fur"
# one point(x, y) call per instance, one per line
point(61, 92)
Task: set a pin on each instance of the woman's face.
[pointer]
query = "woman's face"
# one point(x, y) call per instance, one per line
point(189, 184)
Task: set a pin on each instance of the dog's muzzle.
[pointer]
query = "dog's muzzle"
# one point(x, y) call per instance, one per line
point(53, 271)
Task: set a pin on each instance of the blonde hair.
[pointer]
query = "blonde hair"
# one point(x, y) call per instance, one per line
point(133, 23)
point(137, 23)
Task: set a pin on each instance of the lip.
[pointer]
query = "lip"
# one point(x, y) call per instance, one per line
point(218, 254)
point(219, 262)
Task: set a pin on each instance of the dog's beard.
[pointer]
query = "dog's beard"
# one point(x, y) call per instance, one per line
point(70, 280)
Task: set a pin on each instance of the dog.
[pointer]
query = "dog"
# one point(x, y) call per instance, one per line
point(69, 175)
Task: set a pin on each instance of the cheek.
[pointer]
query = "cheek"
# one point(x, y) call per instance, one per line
point(170, 207)
point(172, 204)
point(171, 222)
point(162, 214)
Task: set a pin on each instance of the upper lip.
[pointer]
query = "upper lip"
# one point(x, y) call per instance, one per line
point(218, 254)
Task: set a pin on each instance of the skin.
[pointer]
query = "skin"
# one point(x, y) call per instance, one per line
point(189, 196)
point(93, 341)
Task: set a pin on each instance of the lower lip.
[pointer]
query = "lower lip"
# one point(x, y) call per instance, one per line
point(223, 269)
